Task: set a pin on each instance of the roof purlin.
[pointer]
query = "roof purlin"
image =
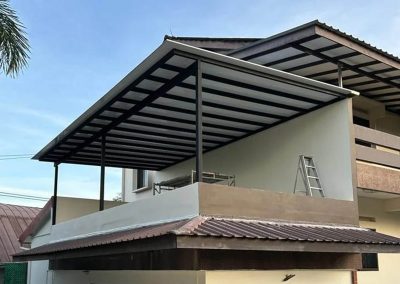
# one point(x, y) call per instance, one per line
point(69, 154)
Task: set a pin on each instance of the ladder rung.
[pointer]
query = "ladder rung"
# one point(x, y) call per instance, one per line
point(314, 177)
point(308, 166)
point(315, 188)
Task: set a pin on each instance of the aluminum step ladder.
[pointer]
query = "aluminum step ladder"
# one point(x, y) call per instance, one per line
point(309, 173)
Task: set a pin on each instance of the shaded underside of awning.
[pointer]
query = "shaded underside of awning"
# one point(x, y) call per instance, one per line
point(148, 120)
point(314, 50)
point(230, 234)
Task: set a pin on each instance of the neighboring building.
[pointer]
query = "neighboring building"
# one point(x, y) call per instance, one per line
point(39, 230)
point(210, 132)
point(14, 219)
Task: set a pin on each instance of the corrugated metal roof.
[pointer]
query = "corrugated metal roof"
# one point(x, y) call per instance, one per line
point(36, 222)
point(356, 39)
point(13, 221)
point(216, 44)
point(227, 228)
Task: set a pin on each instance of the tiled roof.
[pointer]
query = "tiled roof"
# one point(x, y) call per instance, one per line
point(13, 221)
point(226, 228)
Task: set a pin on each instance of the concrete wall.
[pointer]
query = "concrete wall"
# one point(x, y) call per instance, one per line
point(275, 277)
point(178, 204)
point(125, 277)
point(387, 223)
point(200, 277)
point(38, 270)
point(268, 160)
point(67, 209)
point(70, 208)
point(130, 192)
point(375, 112)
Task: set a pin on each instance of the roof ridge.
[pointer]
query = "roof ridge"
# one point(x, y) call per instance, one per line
point(233, 38)
point(190, 226)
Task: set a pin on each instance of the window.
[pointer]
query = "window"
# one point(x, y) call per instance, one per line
point(142, 179)
point(370, 261)
point(361, 121)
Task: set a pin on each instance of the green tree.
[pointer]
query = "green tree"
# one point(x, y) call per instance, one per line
point(14, 46)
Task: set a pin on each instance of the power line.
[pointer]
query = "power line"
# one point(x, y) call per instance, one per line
point(23, 196)
point(16, 158)
point(14, 155)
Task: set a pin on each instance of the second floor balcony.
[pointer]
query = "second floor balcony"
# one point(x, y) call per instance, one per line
point(378, 160)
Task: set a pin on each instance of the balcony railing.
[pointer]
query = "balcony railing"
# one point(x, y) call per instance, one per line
point(377, 147)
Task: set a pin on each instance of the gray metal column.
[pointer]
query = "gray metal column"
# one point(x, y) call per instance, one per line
point(54, 213)
point(102, 172)
point(199, 123)
point(340, 76)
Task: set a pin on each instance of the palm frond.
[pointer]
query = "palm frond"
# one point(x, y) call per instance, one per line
point(14, 46)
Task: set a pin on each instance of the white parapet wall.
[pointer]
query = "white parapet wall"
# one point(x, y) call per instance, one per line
point(175, 205)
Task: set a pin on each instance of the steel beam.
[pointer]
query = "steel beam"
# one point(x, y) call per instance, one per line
point(102, 172)
point(340, 75)
point(54, 213)
point(199, 123)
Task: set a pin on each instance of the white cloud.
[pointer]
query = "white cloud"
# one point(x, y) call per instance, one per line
point(43, 115)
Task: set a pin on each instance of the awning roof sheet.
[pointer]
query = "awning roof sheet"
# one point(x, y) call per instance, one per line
point(148, 118)
point(13, 221)
point(314, 50)
point(228, 228)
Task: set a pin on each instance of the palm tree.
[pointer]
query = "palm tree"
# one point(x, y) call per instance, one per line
point(14, 47)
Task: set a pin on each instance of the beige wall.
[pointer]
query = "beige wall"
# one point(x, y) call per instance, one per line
point(70, 208)
point(272, 277)
point(269, 159)
point(375, 112)
point(387, 223)
point(390, 123)
point(125, 277)
point(201, 277)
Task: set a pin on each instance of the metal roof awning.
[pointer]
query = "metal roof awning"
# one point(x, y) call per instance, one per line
point(226, 234)
point(314, 50)
point(148, 120)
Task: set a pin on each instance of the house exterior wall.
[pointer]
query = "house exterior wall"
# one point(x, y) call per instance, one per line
point(200, 277)
point(379, 118)
point(38, 270)
point(67, 209)
point(387, 223)
point(178, 204)
point(269, 159)
point(122, 277)
point(272, 277)
point(70, 208)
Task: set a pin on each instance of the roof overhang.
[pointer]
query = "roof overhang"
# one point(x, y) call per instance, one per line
point(207, 233)
point(315, 49)
point(148, 119)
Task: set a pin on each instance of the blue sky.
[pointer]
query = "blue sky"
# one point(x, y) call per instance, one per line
point(80, 49)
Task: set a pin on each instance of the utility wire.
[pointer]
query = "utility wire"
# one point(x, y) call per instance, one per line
point(22, 196)
point(15, 158)
point(14, 155)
